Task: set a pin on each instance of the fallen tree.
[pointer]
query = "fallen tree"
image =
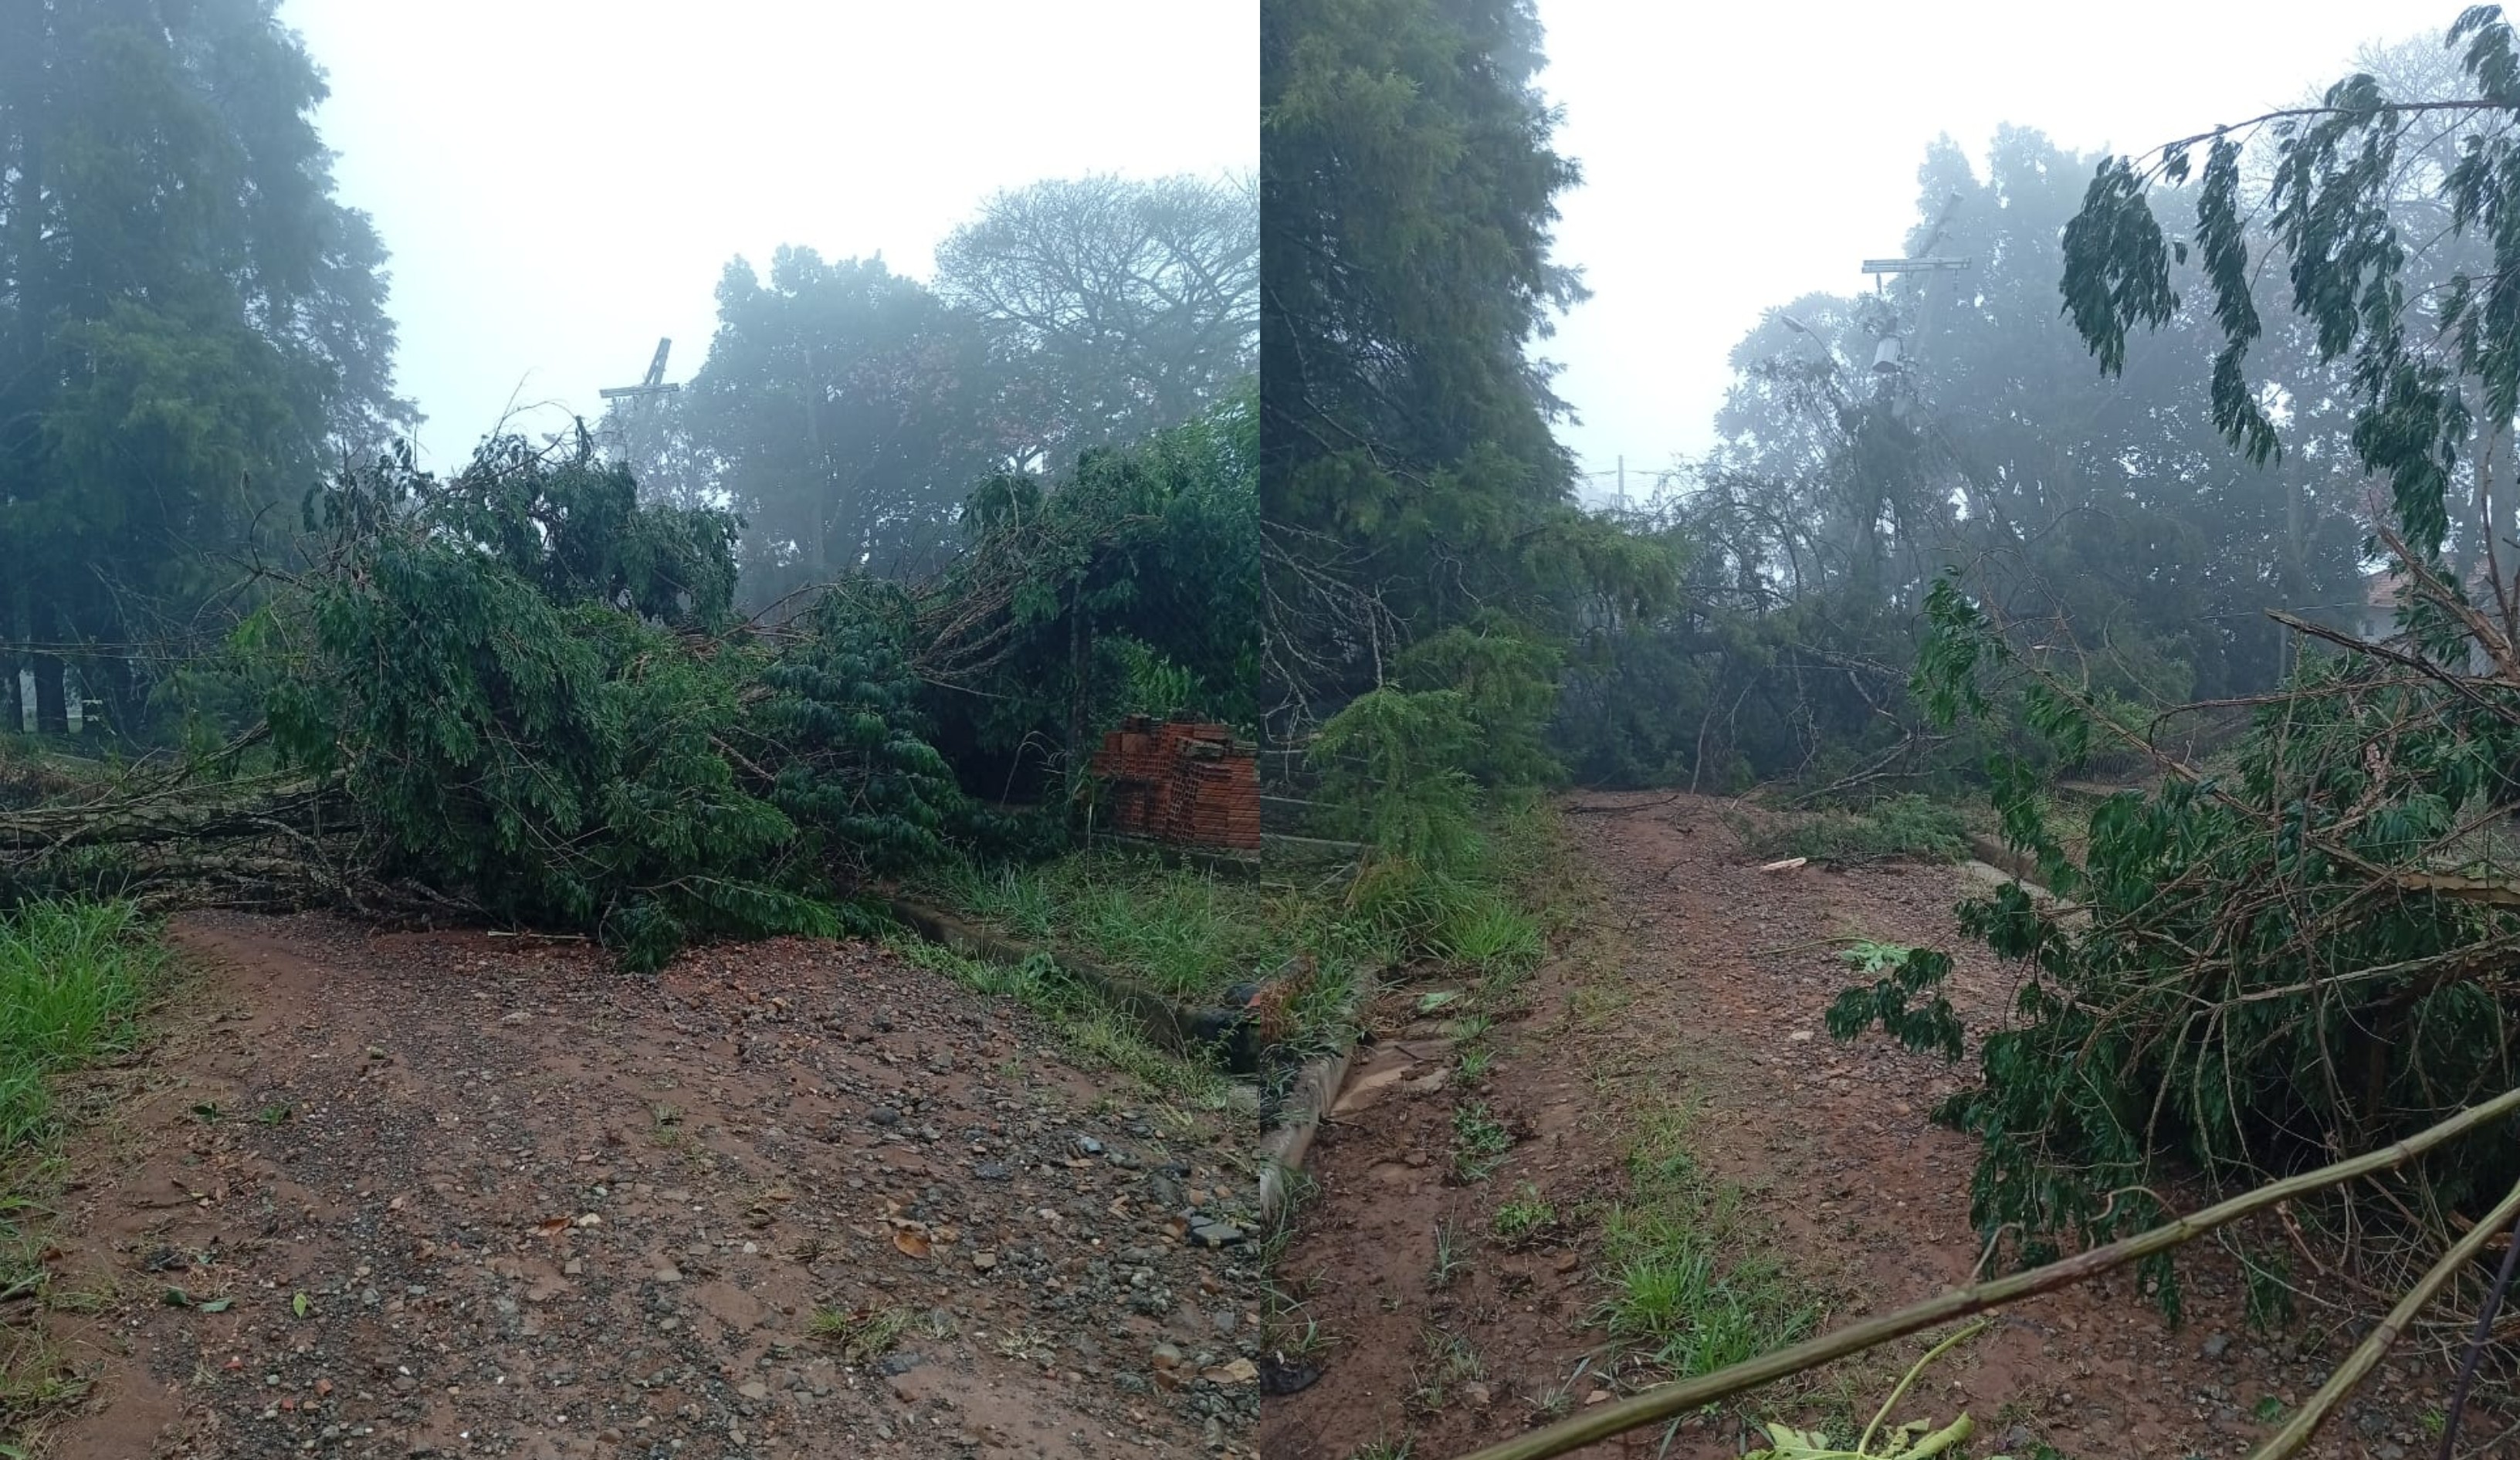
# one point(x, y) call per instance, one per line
point(520, 695)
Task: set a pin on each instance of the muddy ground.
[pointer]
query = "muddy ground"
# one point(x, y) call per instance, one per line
point(452, 1194)
point(1698, 979)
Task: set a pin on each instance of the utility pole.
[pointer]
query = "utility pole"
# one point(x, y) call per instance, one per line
point(630, 402)
point(1889, 357)
point(1623, 481)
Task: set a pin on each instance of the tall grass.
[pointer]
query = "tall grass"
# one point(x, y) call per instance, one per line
point(1192, 935)
point(73, 978)
point(73, 975)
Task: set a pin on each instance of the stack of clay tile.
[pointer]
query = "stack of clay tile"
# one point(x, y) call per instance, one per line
point(1184, 782)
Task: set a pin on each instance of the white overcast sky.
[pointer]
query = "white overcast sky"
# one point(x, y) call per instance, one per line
point(1738, 155)
point(562, 181)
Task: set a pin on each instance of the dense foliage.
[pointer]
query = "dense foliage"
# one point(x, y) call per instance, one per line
point(517, 679)
point(1128, 584)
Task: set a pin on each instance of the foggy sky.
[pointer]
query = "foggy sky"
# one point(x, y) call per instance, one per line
point(562, 181)
point(1736, 156)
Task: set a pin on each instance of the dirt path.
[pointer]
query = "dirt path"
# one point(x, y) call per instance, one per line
point(458, 1195)
point(1704, 981)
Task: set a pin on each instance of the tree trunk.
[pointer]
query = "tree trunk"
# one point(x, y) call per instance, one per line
point(1080, 655)
point(52, 704)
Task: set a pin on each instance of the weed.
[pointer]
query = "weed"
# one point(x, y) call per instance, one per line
point(274, 1114)
point(1559, 1401)
point(1088, 1026)
point(1474, 1063)
point(1451, 1363)
point(1479, 1141)
point(1524, 1217)
point(862, 1334)
point(1682, 1296)
point(1189, 933)
point(1384, 1447)
point(1099, 1033)
point(1449, 1261)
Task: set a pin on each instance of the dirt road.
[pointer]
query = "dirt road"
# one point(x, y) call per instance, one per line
point(459, 1195)
point(1699, 987)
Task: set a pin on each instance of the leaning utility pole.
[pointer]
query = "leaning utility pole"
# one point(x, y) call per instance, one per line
point(630, 403)
point(1889, 356)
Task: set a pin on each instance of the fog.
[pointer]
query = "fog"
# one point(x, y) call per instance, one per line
point(1716, 189)
point(562, 182)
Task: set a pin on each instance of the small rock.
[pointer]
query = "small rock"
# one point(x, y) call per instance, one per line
point(1239, 1372)
point(901, 1363)
point(1217, 1234)
point(884, 1115)
point(756, 1389)
point(983, 1262)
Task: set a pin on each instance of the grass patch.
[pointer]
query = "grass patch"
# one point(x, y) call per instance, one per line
point(1189, 934)
point(74, 978)
point(1451, 1363)
point(1687, 1296)
point(1910, 827)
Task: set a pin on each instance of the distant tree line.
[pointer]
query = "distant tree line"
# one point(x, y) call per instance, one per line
point(845, 410)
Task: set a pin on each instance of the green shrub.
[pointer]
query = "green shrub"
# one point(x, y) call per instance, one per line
point(1391, 773)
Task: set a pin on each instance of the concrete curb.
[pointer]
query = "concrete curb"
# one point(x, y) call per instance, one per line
point(1183, 1031)
point(1316, 1088)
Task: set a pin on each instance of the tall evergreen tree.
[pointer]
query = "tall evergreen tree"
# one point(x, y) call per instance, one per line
point(1407, 192)
point(189, 321)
